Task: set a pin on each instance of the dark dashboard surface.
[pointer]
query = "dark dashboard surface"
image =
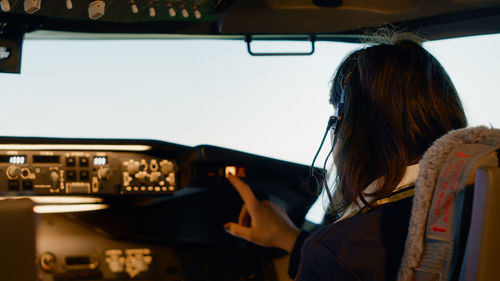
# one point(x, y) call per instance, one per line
point(151, 210)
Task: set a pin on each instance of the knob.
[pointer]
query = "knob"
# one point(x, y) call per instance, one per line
point(97, 9)
point(25, 173)
point(141, 175)
point(166, 167)
point(31, 6)
point(104, 173)
point(69, 4)
point(47, 261)
point(132, 166)
point(5, 5)
point(154, 176)
point(13, 172)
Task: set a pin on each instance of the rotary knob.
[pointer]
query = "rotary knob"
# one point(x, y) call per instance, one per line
point(132, 166)
point(47, 261)
point(13, 172)
point(166, 167)
point(104, 173)
point(141, 175)
point(154, 176)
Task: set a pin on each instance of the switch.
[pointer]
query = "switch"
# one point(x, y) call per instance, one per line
point(31, 6)
point(197, 14)
point(5, 5)
point(171, 12)
point(96, 9)
point(185, 13)
point(134, 7)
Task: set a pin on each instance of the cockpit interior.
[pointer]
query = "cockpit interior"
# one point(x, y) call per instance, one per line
point(78, 206)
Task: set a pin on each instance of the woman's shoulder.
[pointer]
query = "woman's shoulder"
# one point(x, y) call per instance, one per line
point(368, 242)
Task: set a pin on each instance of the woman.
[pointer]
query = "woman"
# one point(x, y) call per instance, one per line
point(397, 99)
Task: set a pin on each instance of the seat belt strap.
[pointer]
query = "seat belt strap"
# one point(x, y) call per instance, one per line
point(443, 218)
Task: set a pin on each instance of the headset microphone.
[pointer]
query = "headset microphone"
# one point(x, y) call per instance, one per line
point(312, 181)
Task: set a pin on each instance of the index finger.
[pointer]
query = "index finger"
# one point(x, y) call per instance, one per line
point(244, 191)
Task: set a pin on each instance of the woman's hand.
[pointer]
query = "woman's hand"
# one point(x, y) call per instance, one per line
point(270, 226)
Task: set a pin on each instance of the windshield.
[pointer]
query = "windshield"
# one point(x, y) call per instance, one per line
point(208, 92)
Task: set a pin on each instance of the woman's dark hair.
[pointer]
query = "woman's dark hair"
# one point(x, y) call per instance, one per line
point(398, 100)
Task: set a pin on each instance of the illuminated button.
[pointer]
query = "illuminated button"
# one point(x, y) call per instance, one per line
point(162, 183)
point(136, 188)
point(150, 188)
point(157, 188)
point(129, 188)
point(84, 161)
point(84, 175)
point(164, 188)
point(171, 188)
point(143, 188)
point(70, 161)
point(71, 175)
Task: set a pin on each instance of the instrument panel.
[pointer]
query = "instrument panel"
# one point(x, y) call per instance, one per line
point(84, 172)
point(114, 209)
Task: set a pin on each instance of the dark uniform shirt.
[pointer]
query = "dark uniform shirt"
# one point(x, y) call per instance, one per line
point(368, 246)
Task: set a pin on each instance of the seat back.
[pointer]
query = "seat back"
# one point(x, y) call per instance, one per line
point(441, 220)
point(482, 256)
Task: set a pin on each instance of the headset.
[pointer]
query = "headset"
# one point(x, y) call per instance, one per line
point(333, 122)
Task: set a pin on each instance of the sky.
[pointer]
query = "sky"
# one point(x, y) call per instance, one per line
point(208, 92)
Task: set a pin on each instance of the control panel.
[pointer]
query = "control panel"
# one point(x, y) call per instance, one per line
point(122, 228)
point(119, 11)
point(60, 172)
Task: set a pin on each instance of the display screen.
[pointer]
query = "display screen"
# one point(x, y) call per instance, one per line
point(17, 159)
point(100, 160)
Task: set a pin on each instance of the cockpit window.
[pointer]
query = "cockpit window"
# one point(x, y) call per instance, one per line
point(207, 92)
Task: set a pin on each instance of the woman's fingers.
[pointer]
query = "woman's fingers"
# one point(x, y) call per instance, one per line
point(244, 216)
point(238, 230)
point(245, 192)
